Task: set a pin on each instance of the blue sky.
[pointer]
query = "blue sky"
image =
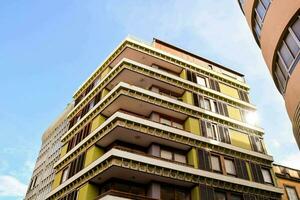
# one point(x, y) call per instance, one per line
point(48, 48)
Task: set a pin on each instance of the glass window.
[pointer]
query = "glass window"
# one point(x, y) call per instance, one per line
point(291, 193)
point(266, 3)
point(209, 130)
point(166, 154)
point(266, 175)
point(229, 166)
point(215, 107)
point(179, 158)
point(177, 125)
point(201, 81)
point(296, 28)
point(65, 174)
point(292, 44)
point(236, 197)
point(206, 104)
point(215, 163)
point(286, 55)
point(165, 121)
point(220, 195)
point(261, 10)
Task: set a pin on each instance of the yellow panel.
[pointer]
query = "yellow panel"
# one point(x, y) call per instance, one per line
point(92, 154)
point(104, 92)
point(88, 191)
point(249, 171)
point(187, 97)
point(239, 139)
point(195, 193)
point(105, 72)
point(97, 121)
point(57, 179)
point(183, 74)
point(230, 91)
point(192, 125)
point(234, 113)
point(64, 150)
point(193, 158)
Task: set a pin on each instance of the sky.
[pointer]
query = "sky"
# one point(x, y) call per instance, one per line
point(48, 48)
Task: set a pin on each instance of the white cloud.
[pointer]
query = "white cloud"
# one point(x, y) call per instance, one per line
point(10, 186)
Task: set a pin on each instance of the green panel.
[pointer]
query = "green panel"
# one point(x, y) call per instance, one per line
point(63, 150)
point(239, 139)
point(183, 74)
point(105, 72)
point(57, 179)
point(187, 97)
point(195, 194)
point(92, 154)
point(193, 158)
point(192, 125)
point(104, 92)
point(97, 121)
point(88, 192)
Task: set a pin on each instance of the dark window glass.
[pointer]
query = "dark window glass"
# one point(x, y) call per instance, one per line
point(236, 197)
point(261, 10)
point(220, 195)
point(286, 55)
point(296, 28)
point(266, 3)
point(292, 45)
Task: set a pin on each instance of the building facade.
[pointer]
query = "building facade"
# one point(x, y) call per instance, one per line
point(289, 180)
point(157, 122)
point(43, 173)
point(275, 25)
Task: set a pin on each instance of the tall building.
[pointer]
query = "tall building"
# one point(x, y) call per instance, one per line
point(275, 25)
point(43, 173)
point(157, 122)
point(289, 180)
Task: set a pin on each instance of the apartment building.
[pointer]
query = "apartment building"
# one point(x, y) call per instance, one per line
point(289, 180)
point(275, 25)
point(154, 121)
point(43, 173)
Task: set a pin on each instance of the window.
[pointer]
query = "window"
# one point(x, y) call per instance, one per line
point(170, 122)
point(165, 121)
point(229, 166)
point(177, 125)
point(65, 174)
point(220, 195)
point(166, 154)
point(287, 55)
point(215, 163)
point(179, 158)
point(215, 131)
point(291, 193)
point(266, 175)
point(168, 192)
point(206, 104)
point(256, 143)
point(201, 81)
point(172, 155)
point(236, 197)
point(259, 15)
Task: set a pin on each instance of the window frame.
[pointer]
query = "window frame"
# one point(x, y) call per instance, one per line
point(286, 191)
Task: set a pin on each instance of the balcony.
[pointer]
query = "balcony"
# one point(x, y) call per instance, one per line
point(144, 132)
point(145, 77)
point(143, 169)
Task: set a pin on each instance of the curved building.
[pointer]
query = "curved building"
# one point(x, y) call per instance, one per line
point(276, 28)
